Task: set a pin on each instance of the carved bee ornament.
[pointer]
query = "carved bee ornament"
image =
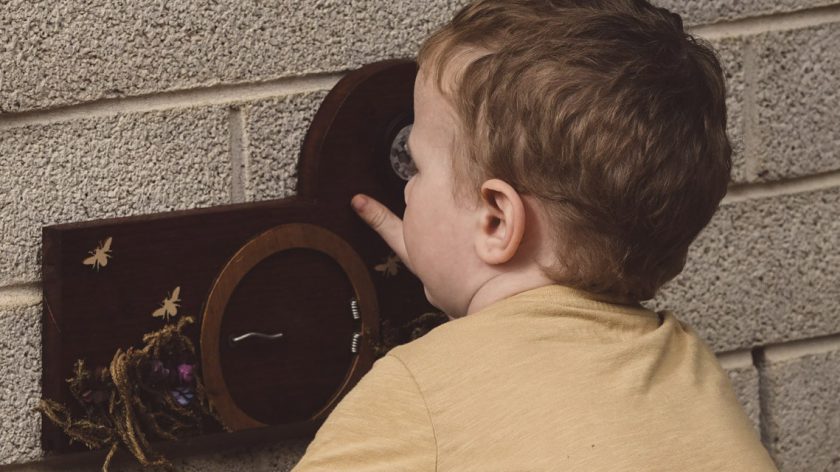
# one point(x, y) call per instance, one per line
point(100, 255)
point(169, 306)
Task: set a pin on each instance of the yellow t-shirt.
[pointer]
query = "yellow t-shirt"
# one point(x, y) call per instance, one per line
point(550, 379)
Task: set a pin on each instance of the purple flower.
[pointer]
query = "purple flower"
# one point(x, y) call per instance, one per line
point(185, 373)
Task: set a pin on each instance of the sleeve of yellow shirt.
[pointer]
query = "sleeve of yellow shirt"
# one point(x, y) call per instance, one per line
point(382, 424)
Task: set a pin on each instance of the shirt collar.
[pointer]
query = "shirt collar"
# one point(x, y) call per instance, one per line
point(559, 299)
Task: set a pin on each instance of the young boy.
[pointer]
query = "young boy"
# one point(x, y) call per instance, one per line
point(567, 154)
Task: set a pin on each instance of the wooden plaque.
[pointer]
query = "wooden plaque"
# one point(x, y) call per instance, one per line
point(289, 294)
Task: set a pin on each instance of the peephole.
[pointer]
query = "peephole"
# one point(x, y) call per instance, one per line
point(401, 160)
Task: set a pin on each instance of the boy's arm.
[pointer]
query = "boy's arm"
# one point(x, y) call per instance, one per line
point(382, 424)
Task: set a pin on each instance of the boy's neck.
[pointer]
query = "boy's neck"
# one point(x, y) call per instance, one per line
point(502, 286)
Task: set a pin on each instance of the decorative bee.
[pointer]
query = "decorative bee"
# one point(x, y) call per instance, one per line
point(100, 255)
point(169, 306)
point(389, 267)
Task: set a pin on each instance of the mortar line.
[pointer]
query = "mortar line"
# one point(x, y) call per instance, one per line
point(236, 126)
point(809, 183)
point(246, 154)
point(764, 423)
point(801, 347)
point(204, 96)
point(768, 22)
point(736, 359)
point(20, 295)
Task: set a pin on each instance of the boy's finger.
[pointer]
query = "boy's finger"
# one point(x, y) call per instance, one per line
point(384, 222)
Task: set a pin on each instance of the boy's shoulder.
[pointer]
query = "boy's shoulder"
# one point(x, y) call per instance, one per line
point(482, 344)
point(440, 339)
point(462, 346)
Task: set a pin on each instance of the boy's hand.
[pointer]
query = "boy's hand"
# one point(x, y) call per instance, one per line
point(384, 222)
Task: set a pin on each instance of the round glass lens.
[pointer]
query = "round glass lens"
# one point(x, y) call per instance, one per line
point(401, 160)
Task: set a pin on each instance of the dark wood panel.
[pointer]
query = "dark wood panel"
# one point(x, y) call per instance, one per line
point(89, 311)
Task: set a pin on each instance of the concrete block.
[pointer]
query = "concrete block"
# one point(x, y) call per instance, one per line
point(107, 166)
point(763, 271)
point(66, 52)
point(800, 419)
point(280, 457)
point(731, 55)
point(696, 12)
point(275, 132)
point(798, 106)
point(20, 381)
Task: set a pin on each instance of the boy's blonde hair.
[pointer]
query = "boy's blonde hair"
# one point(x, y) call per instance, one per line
point(607, 112)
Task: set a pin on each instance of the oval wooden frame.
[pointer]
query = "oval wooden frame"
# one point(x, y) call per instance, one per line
point(280, 238)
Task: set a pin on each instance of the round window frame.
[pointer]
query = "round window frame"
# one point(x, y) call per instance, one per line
point(277, 239)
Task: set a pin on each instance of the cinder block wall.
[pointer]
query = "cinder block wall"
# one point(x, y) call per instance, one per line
point(119, 109)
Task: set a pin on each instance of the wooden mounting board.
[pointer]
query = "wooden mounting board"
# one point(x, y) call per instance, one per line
point(289, 265)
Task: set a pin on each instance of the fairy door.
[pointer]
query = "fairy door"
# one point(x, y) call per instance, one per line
point(292, 296)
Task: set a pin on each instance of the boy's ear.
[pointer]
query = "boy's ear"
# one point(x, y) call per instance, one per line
point(501, 222)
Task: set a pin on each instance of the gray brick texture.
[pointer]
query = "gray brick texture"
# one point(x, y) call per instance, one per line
point(801, 404)
point(20, 383)
point(730, 52)
point(66, 52)
point(695, 12)
point(106, 167)
point(276, 129)
point(797, 102)
point(763, 271)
